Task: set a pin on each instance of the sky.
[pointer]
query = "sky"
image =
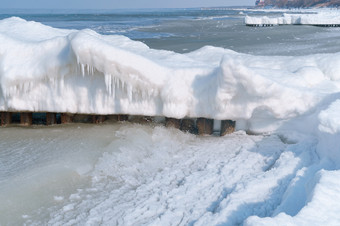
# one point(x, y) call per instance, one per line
point(116, 4)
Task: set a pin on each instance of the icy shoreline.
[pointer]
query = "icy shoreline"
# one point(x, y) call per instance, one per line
point(132, 174)
point(84, 72)
point(126, 174)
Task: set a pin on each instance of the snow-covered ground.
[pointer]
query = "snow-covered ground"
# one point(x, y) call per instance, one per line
point(128, 174)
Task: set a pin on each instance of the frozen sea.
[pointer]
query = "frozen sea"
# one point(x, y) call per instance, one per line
point(132, 174)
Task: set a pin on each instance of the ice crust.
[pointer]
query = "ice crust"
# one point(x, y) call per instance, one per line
point(47, 69)
point(325, 17)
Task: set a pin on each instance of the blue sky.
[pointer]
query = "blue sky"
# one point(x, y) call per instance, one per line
point(114, 4)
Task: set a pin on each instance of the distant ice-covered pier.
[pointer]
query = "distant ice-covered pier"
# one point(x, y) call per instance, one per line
point(321, 19)
point(271, 25)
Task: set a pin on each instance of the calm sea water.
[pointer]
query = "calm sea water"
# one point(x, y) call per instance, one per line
point(185, 30)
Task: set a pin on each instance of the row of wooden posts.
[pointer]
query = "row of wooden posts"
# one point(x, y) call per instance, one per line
point(260, 25)
point(200, 126)
point(271, 25)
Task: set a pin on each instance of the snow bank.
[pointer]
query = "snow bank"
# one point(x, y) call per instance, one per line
point(312, 18)
point(48, 69)
point(329, 119)
point(322, 207)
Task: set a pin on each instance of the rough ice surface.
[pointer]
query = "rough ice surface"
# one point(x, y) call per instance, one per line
point(322, 207)
point(84, 72)
point(127, 174)
point(323, 17)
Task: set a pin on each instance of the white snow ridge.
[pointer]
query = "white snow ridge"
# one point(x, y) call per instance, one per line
point(130, 174)
point(84, 72)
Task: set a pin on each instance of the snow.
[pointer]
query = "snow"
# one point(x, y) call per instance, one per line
point(84, 72)
point(149, 175)
point(321, 17)
point(329, 119)
point(142, 174)
point(129, 174)
point(325, 195)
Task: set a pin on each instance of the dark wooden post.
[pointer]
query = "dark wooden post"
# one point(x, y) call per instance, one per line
point(26, 118)
point(6, 118)
point(188, 125)
point(51, 118)
point(147, 119)
point(66, 118)
point(112, 117)
point(173, 122)
point(98, 118)
point(141, 119)
point(227, 127)
point(123, 118)
point(205, 126)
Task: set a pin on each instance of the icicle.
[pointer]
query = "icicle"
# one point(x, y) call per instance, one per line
point(14, 91)
point(62, 83)
point(129, 92)
point(82, 69)
point(113, 90)
point(114, 85)
point(118, 83)
point(123, 85)
point(25, 87)
point(108, 83)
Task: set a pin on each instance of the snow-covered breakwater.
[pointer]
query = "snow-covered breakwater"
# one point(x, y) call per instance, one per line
point(44, 69)
point(322, 18)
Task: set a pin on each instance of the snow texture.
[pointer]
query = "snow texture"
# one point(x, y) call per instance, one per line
point(129, 174)
point(51, 70)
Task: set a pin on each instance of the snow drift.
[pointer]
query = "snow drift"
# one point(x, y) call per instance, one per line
point(48, 69)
